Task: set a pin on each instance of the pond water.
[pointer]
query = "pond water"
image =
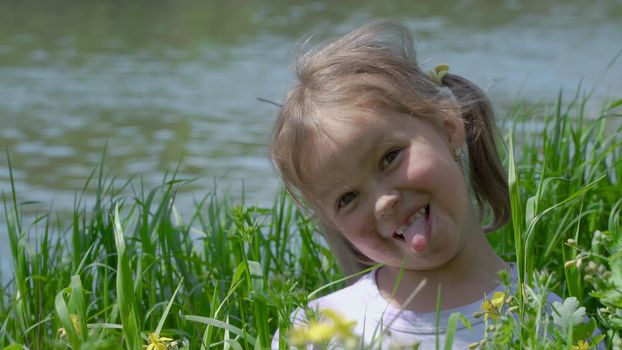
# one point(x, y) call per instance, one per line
point(170, 84)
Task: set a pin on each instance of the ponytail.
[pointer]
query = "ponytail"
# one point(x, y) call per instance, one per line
point(487, 174)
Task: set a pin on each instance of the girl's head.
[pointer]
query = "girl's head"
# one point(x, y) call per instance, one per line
point(367, 142)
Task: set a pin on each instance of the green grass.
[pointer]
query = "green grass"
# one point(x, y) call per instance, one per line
point(128, 265)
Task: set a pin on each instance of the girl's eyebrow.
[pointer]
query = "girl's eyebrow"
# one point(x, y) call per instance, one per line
point(378, 142)
point(332, 192)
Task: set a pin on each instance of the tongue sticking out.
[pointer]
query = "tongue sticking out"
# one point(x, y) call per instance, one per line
point(418, 234)
point(419, 243)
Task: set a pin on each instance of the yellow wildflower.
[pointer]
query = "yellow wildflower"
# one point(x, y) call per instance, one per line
point(581, 345)
point(315, 332)
point(492, 307)
point(157, 343)
point(298, 336)
point(343, 326)
point(333, 326)
point(62, 333)
point(320, 332)
point(75, 321)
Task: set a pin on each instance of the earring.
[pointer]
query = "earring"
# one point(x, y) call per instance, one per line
point(459, 155)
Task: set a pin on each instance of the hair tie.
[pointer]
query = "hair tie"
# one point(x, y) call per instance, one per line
point(437, 74)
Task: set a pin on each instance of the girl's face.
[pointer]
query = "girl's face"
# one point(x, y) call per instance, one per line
point(390, 184)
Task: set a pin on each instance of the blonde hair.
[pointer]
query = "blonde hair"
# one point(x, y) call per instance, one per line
point(375, 65)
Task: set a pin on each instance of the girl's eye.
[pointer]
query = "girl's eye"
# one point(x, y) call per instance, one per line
point(345, 199)
point(388, 158)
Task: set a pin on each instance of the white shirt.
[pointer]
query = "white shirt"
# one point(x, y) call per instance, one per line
point(363, 303)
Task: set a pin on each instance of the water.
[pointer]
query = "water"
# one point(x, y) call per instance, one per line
point(174, 84)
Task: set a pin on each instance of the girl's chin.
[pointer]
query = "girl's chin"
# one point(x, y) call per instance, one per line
point(436, 255)
point(431, 259)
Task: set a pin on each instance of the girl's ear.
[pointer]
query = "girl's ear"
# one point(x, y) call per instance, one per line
point(453, 128)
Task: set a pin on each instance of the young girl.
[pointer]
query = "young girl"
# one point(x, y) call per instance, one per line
point(399, 168)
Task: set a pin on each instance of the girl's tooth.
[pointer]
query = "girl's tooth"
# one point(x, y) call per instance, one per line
point(402, 229)
point(420, 213)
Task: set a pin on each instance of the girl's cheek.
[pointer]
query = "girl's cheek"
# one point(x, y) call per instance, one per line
point(357, 226)
point(429, 169)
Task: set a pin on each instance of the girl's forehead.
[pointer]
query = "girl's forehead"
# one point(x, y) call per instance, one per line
point(342, 144)
point(341, 132)
point(354, 123)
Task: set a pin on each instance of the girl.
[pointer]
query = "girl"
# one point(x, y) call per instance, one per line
point(399, 168)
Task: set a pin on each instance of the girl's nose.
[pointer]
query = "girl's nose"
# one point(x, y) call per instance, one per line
point(386, 203)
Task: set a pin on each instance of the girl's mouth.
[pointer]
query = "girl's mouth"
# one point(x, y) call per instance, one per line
point(415, 231)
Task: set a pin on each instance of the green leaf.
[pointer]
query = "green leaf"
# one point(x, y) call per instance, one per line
point(65, 320)
point(584, 330)
point(77, 304)
point(452, 325)
point(13, 347)
point(220, 324)
point(125, 289)
point(234, 344)
point(614, 105)
point(239, 273)
point(256, 273)
point(530, 210)
point(167, 309)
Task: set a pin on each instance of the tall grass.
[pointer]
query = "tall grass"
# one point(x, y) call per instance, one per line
point(118, 263)
point(128, 270)
point(564, 185)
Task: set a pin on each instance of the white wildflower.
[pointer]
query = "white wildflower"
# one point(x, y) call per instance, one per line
point(568, 313)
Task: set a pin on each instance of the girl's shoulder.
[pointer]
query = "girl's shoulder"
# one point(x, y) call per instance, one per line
point(351, 300)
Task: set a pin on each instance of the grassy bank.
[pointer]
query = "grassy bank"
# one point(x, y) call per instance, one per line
point(129, 271)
